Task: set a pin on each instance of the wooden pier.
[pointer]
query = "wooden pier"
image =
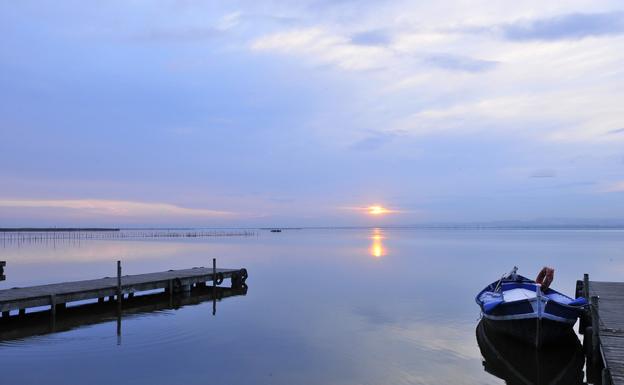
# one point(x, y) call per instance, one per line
point(603, 329)
point(40, 323)
point(115, 289)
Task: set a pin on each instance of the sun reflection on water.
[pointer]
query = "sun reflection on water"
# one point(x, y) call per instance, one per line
point(377, 249)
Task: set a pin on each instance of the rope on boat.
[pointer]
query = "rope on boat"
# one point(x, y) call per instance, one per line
point(511, 274)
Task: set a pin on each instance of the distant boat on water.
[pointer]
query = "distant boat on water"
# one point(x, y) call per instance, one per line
point(521, 364)
point(526, 310)
point(276, 230)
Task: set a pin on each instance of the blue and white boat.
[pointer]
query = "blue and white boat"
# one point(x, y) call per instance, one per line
point(519, 307)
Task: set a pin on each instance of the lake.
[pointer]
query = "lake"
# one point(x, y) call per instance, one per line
point(323, 306)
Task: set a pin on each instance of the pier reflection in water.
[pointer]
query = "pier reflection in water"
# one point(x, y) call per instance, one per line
point(43, 322)
point(520, 364)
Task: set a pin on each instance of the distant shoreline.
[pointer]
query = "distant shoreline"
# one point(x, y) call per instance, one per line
point(387, 227)
point(55, 229)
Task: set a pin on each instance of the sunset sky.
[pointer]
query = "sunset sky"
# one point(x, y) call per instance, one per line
point(309, 113)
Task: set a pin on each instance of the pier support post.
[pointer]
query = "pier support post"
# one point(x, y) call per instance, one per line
point(595, 329)
point(52, 313)
point(170, 290)
point(585, 318)
point(6, 314)
point(22, 312)
point(606, 376)
point(119, 294)
point(214, 286)
point(53, 306)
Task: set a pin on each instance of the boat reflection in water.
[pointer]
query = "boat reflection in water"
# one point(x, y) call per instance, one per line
point(377, 249)
point(522, 364)
point(44, 322)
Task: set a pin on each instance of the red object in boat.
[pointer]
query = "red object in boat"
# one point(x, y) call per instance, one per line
point(545, 277)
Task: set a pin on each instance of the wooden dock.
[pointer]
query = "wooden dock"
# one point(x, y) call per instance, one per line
point(603, 328)
point(40, 323)
point(58, 295)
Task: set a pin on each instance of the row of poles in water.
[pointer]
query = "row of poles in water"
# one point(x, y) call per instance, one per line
point(46, 236)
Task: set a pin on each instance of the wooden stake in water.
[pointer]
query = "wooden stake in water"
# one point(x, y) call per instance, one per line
point(119, 294)
point(119, 297)
point(214, 286)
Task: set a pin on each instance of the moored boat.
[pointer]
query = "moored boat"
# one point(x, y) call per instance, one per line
point(526, 310)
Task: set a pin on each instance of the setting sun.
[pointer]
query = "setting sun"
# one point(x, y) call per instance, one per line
point(377, 210)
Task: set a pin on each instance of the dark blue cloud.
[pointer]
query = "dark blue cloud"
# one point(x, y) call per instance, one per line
point(373, 142)
point(460, 63)
point(375, 37)
point(544, 173)
point(570, 26)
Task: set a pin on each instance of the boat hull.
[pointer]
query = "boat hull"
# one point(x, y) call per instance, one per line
point(519, 363)
point(537, 332)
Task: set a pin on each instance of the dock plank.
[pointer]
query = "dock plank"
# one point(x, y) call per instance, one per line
point(611, 326)
point(25, 297)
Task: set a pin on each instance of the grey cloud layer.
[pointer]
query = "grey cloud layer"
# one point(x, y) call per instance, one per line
point(570, 26)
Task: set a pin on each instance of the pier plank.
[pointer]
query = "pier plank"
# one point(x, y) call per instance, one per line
point(42, 295)
point(611, 326)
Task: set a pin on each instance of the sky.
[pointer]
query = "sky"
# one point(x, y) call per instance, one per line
point(284, 113)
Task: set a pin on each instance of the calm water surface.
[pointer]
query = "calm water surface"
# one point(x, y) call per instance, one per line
point(323, 306)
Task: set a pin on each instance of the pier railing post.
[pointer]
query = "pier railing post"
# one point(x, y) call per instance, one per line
point(586, 286)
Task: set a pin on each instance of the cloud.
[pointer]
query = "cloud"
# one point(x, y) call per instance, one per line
point(460, 63)
point(174, 35)
point(192, 33)
point(549, 115)
point(229, 21)
point(616, 131)
point(543, 173)
point(569, 26)
point(322, 47)
point(373, 37)
point(373, 142)
point(616, 187)
point(367, 209)
point(113, 207)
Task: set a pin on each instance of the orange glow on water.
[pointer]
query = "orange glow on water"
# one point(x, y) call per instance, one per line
point(377, 249)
